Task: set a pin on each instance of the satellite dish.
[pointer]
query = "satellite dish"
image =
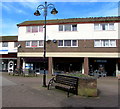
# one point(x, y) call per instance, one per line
point(54, 40)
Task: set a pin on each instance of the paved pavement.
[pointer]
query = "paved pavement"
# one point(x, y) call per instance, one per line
point(18, 91)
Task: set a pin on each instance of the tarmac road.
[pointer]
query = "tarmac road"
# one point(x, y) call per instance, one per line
point(20, 91)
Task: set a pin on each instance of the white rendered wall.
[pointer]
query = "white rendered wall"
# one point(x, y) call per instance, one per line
point(9, 49)
point(85, 31)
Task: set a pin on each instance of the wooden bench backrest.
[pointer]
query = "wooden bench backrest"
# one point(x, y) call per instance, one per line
point(67, 80)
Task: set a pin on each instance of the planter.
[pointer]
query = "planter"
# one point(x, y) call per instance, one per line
point(87, 86)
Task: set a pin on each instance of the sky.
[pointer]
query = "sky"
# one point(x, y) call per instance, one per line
point(14, 12)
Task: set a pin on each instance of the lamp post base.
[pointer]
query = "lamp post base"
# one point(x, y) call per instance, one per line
point(44, 80)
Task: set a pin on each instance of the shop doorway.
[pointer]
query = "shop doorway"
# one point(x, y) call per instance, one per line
point(106, 65)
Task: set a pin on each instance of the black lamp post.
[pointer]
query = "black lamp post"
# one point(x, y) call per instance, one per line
point(37, 13)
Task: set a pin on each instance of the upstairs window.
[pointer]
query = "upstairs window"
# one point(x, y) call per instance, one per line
point(74, 27)
point(41, 43)
point(111, 26)
point(4, 44)
point(27, 43)
point(15, 44)
point(28, 29)
point(40, 28)
point(105, 43)
point(68, 27)
point(104, 26)
point(60, 43)
point(67, 43)
point(34, 29)
point(34, 43)
point(60, 27)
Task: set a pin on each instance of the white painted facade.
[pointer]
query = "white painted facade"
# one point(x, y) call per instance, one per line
point(84, 31)
point(10, 49)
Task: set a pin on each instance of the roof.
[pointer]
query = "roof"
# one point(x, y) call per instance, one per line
point(9, 38)
point(71, 20)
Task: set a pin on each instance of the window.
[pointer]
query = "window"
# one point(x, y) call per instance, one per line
point(105, 43)
point(28, 29)
point(67, 43)
point(97, 43)
point(27, 43)
point(74, 42)
point(96, 26)
point(60, 43)
point(4, 44)
point(34, 29)
point(40, 28)
point(60, 27)
point(74, 27)
point(34, 44)
point(68, 27)
point(104, 26)
point(15, 44)
point(111, 26)
point(113, 43)
point(41, 43)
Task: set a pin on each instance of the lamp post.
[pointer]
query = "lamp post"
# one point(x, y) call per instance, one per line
point(37, 13)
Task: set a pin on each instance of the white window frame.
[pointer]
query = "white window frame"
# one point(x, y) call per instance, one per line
point(71, 28)
point(70, 45)
point(107, 26)
point(33, 46)
point(103, 41)
point(31, 29)
point(29, 45)
point(42, 42)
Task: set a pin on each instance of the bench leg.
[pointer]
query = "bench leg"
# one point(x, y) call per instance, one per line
point(68, 94)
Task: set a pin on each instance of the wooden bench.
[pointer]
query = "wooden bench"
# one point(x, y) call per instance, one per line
point(66, 83)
